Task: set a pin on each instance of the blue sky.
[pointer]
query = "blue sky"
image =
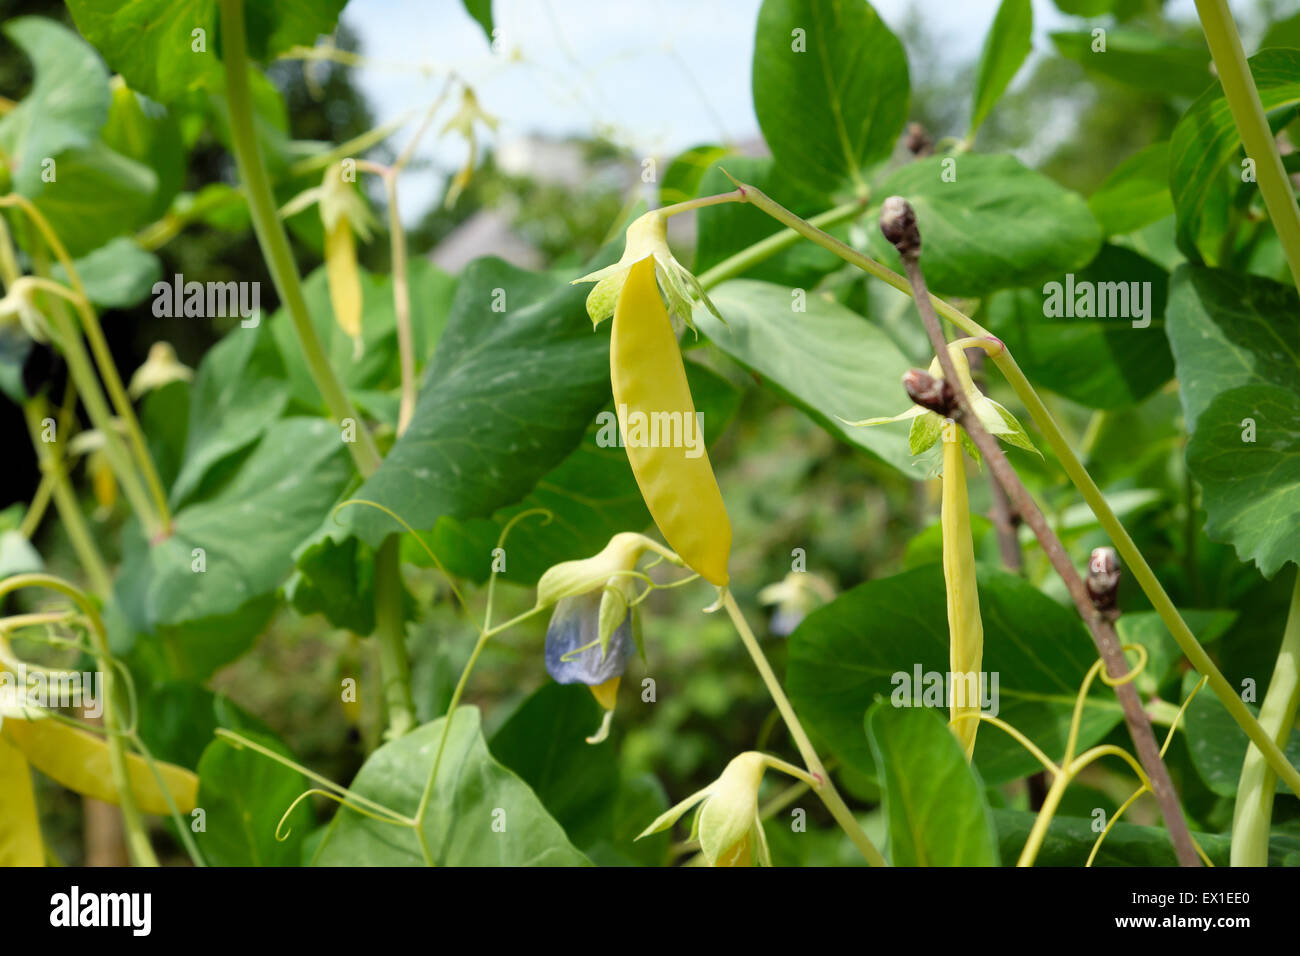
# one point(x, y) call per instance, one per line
point(656, 76)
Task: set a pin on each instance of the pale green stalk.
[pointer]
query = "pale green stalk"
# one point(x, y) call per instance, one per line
point(1255, 790)
point(65, 501)
point(103, 359)
point(390, 632)
point(271, 236)
point(1248, 115)
point(273, 239)
point(826, 789)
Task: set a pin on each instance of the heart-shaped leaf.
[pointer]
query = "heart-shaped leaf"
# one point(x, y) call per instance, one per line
point(830, 89)
point(1206, 138)
point(827, 359)
point(988, 222)
point(934, 801)
point(480, 813)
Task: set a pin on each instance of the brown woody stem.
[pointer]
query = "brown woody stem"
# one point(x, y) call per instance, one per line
point(898, 223)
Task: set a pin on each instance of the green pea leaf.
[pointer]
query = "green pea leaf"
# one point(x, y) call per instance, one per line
point(871, 641)
point(578, 783)
point(66, 106)
point(934, 801)
point(237, 394)
point(1228, 330)
point(96, 194)
point(164, 419)
point(1238, 361)
point(1136, 193)
point(481, 11)
point(988, 223)
point(163, 48)
point(1283, 33)
point(480, 813)
point(517, 378)
point(1085, 8)
point(574, 779)
point(149, 133)
point(376, 367)
point(244, 794)
point(592, 495)
point(1206, 138)
point(117, 275)
point(1163, 653)
point(681, 180)
point(201, 594)
point(827, 360)
point(1095, 360)
point(336, 578)
point(1139, 58)
point(1005, 49)
point(17, 556)
point(1246, 455)
point(830, 89)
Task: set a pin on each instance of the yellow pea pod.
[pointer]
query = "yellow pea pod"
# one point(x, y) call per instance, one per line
point(78, 760)
point(965, 629)
point(344, 277)
point(20, 826)
point(650, 386)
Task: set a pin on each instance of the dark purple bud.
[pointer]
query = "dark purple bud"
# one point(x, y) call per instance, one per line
point(930, 392)
point(898, 224)
point(1103, 578)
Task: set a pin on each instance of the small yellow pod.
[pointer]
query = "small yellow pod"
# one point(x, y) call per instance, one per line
point(651, 391)
point(20, 826)
point(965, 628)
point(79, 760)
point(344, 276)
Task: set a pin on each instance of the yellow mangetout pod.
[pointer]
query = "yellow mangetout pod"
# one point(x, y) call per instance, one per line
point(965, 629)
point(344, 277)
point(20, 827)
point(651, 391)
point(78, 760)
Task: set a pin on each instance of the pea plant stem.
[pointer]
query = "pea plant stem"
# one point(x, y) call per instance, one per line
point(401, 279)
point(273, 239)
point(1258, 784)
point(1133, 559)
point(1102, 630)
point(1248, 115)
point(401, 291)
point(274, 242)
point(390, 632)
point(1138, 567)
point(764, 249)
point(700, 202)
point(94, 333)
point(65, 502)
point(82, 373)
point(826, 789)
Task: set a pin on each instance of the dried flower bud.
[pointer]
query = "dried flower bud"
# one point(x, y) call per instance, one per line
point(917, 140)
point(930, 392)
point(898, 224)
point(1103, 578)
